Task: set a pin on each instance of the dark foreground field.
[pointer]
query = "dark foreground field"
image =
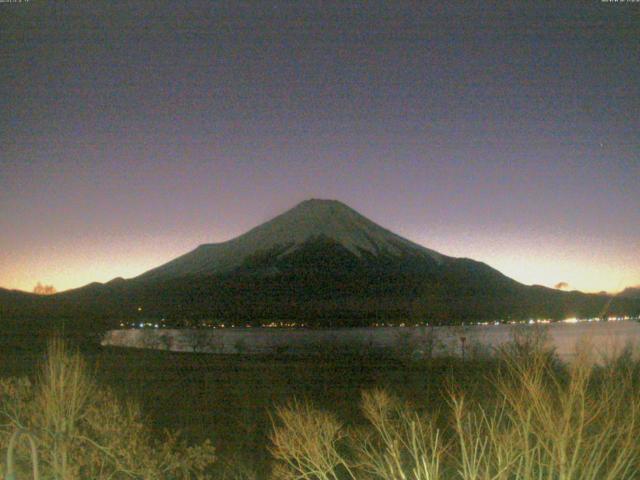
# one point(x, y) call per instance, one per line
point(231, 399)
point(474, 419)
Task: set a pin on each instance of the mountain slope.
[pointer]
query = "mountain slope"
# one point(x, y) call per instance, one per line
point(320, 263)
point(630, 292)
point(286, 233)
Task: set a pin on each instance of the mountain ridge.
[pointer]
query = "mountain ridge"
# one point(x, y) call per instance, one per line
point(630, 292)
point(320, 263)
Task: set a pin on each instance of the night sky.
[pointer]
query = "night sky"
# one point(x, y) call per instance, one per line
point(131, 132)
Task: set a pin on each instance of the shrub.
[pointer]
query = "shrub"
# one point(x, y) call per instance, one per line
point(84, 431)
point(400, 443)
point(307, 443)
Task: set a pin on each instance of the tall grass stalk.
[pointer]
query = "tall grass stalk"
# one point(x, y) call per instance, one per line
point(64, 392)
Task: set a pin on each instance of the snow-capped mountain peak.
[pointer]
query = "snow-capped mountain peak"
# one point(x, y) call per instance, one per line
point(311, 219)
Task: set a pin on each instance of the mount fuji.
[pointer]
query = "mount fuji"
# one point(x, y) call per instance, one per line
point(320, 263)
point(312, 224)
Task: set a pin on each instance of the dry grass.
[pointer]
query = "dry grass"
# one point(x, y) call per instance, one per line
point(84, 431)
point(307, 443)
point(401, 444)
point(543, 423)
point(539, 421)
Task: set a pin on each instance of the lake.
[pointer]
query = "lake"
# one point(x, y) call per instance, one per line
point(601, 338)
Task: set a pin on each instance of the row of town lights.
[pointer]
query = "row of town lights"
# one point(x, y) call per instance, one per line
point(531, 321)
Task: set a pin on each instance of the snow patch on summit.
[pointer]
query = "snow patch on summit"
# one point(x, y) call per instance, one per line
point(332, 219)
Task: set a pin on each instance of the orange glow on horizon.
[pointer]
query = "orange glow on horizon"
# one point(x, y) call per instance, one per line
point(80, 264)
point(530, 262)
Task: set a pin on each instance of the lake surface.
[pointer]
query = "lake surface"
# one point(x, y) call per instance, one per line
point(602, 339)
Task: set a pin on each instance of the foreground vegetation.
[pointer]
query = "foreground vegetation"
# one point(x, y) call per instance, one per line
point(84, 431)
point(540, 425)
point(518, 415)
